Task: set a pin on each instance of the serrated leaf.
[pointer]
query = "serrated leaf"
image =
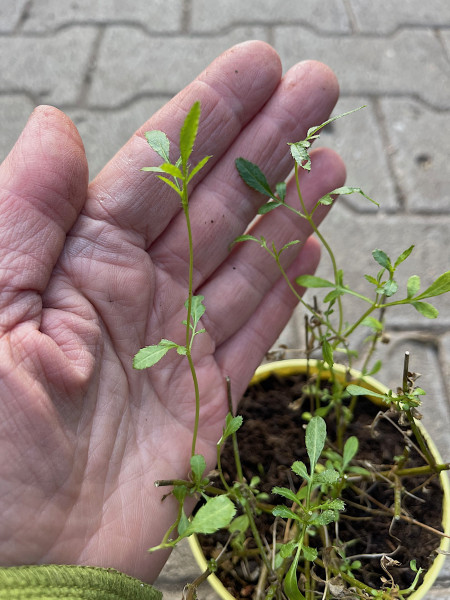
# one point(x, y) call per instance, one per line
point(403, 256)
point(312, 131)
point(347, 190)
point(232, 424)
point(171, 184)
point(197, 308)
point(440, 286)
point(246, 238)
point(325, 518)
point(197, 167)
point(388, 289)
point(286, 493)
point(285, 513)
point(426, 309)
point(299, 468)
point(159, 142)
point(170, 169)
point(382, 259)
point(413, 286)
point(350, 450)
point(316, 433)
point(188, 133)
point(288, 245)
point(286, 550)
point(150, 355)
point(215, 514)
point(299, 152)
point(309, 553)
point(268, 207)
point(327, 476)
point(198, 466)
point(253, 177)
point(311, 281)
point(336, 504)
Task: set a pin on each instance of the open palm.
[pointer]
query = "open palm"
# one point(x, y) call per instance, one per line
point(88, 275)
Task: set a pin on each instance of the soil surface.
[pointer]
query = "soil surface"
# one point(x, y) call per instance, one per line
point(272, 438)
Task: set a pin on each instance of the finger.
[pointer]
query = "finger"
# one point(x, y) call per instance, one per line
point(43, 185)
point(231, 90)
point(223, 204)
point(242, 353)
point(236, 289)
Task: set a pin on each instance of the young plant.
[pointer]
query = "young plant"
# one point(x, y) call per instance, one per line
point(334, 469)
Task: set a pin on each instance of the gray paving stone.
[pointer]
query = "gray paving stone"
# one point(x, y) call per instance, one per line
point(132, 63)
point(354, 236)
point(10, 13)
point(445, 37)
point(445, 362)
point(104, 132)
point(50, 69)
point(421, 146)
point(15, 111)
point(157, 15)
point(385, 16)
point(410, 63)
point(357, 138)
point(327, 15)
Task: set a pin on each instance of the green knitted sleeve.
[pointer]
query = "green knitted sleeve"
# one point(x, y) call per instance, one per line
point(54, 582)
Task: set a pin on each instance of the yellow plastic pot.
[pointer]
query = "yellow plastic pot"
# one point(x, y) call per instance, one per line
point(290, 367)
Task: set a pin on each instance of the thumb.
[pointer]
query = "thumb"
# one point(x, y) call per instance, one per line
point(43, 186)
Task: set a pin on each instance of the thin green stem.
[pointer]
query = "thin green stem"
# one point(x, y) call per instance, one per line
point(185, 203)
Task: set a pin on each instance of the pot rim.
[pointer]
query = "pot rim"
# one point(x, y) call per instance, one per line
point(289, 366)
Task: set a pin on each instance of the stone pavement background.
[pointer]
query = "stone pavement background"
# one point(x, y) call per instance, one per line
point(109, 64)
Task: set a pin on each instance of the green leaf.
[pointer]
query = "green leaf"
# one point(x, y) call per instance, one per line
point(299, 152)
point(327, 476)
point(376, 367)
point(198, 466)
point(336, 504)
point(239, 524)
point(183, 524)
point(357, 390)
point(197, 167)
point(309, 553)
point(286, 550)
point(350, 450)
point(426, 309)
point(312, 131)
point(316, 433)
point(403, 256)
point(382, 259)
point(159, 142)
point(188, 133)
point(288, 245)
point(284, 512)
point(215, 514)
point(170, 184)
point(413, 286)
point(232, 424)
point(373, 323)
point(171, 170)
point(327, 352)
point(311, 281)
point(253, 177)
point(281, 190)
point(346, 191)
point(286, 493)
point(291, 580)
point(325, 518)
point(438, 287)
point(268, 207)
point(246, 238)
point(299, 468)
point(197, 308)
point(388, 289)
point(150, 355)
point(371, 279)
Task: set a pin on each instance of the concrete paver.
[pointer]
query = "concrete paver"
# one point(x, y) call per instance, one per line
point(111, 63)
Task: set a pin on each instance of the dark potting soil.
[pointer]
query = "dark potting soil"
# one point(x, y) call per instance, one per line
point(272, 438)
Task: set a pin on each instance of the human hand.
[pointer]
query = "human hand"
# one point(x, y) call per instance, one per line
point(91, 274)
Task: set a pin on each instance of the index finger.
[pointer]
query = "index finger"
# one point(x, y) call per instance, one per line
point(231, 90)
